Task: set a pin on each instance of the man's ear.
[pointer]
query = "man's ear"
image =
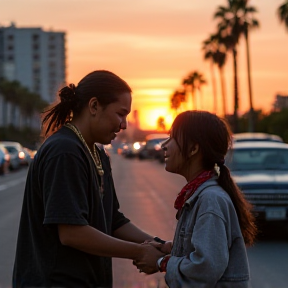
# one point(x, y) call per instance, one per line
point(93, 105)
point(194, 150)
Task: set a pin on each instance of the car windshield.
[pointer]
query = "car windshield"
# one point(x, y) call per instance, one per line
point(257, 159)
point(151, 143)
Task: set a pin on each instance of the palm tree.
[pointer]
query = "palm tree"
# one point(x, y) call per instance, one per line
point(220, 60)
point(282, 12)
point(177, 98)
point(209, 52)
point(230, 30)
point(249, 23)
point(19, 95)
point(200, 81)
point(216, 51)
point(194, 80)
point(161, 123)
point(235, 20)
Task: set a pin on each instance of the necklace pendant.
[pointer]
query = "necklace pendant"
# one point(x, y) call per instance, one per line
point(100, 172)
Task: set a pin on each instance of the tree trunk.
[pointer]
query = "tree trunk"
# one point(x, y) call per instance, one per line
point(214, 87)
point(193, 99)
point(236, 98)
point(251, 110)
point(201, 98)
point(223, 90)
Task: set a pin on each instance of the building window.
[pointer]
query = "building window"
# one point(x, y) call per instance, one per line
point(36, 57)
point(51, 47)
point(52, 64)
point(10, 37)
point(36, 65)
point(10, 48)
point(36, 89)
point(35, 37)
point(37, 81)
point(52, 84)
point(10, 58)
point(35, 47)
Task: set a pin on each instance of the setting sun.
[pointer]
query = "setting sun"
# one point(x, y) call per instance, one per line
point(149, 117)
point(152, 104)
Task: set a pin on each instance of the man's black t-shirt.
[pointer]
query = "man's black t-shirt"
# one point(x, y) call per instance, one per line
point(61, 188)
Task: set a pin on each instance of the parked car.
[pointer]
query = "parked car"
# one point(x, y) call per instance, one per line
point(30, 152)
point(131, 150)
point(4, 160)
point(17, 153)
point(249, 136)
point(260, 169)
point(152, 148)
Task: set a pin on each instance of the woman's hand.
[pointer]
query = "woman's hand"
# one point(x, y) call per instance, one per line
point(147, 261)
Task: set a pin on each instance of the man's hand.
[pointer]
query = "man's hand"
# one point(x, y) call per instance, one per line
point(165, 248)
point(147, 261)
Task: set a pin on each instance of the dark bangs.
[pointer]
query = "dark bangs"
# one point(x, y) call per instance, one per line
point(183, 131)
point(202, 128)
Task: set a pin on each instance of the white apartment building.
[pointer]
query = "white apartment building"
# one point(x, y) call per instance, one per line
point(34, 57)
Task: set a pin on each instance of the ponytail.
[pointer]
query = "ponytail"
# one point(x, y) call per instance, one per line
point(59, 113)
point(242, 206)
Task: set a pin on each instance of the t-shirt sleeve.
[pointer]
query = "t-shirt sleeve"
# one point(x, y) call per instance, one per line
point(65, 187)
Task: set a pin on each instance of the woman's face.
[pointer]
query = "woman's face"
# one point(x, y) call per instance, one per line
point(174, 161)
point(111, 119)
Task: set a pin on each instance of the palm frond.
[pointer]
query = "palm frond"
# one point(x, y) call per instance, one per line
point(282, 13)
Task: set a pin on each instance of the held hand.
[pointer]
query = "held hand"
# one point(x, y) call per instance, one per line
point(165, 248)
point(147, 261)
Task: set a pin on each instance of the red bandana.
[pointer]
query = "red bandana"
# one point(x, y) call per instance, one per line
point(188, 190)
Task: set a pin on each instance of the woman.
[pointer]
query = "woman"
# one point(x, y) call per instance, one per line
point(70, 224)
point(214, 220)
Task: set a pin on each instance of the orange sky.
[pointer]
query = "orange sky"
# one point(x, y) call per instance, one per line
point(153, 45)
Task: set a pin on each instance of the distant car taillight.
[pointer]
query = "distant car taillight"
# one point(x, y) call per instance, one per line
point(21, 155)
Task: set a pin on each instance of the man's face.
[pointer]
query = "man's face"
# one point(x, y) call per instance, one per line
point(111, 119)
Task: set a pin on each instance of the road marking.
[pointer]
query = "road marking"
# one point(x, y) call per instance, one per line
point(12, 183)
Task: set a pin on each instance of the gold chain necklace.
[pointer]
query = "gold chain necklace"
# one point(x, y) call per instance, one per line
point(95, 156)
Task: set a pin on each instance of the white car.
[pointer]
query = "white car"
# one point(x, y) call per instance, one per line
point(4, 160)
point(260, 169)
point(256, 136)
point(17, 153)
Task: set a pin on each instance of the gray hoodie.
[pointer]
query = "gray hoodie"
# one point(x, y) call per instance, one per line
point(208, 247)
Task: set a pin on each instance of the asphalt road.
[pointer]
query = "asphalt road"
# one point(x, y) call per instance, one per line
point(11, 195)
point(146, 194)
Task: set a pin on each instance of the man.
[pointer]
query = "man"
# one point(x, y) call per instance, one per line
point(70, 224)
